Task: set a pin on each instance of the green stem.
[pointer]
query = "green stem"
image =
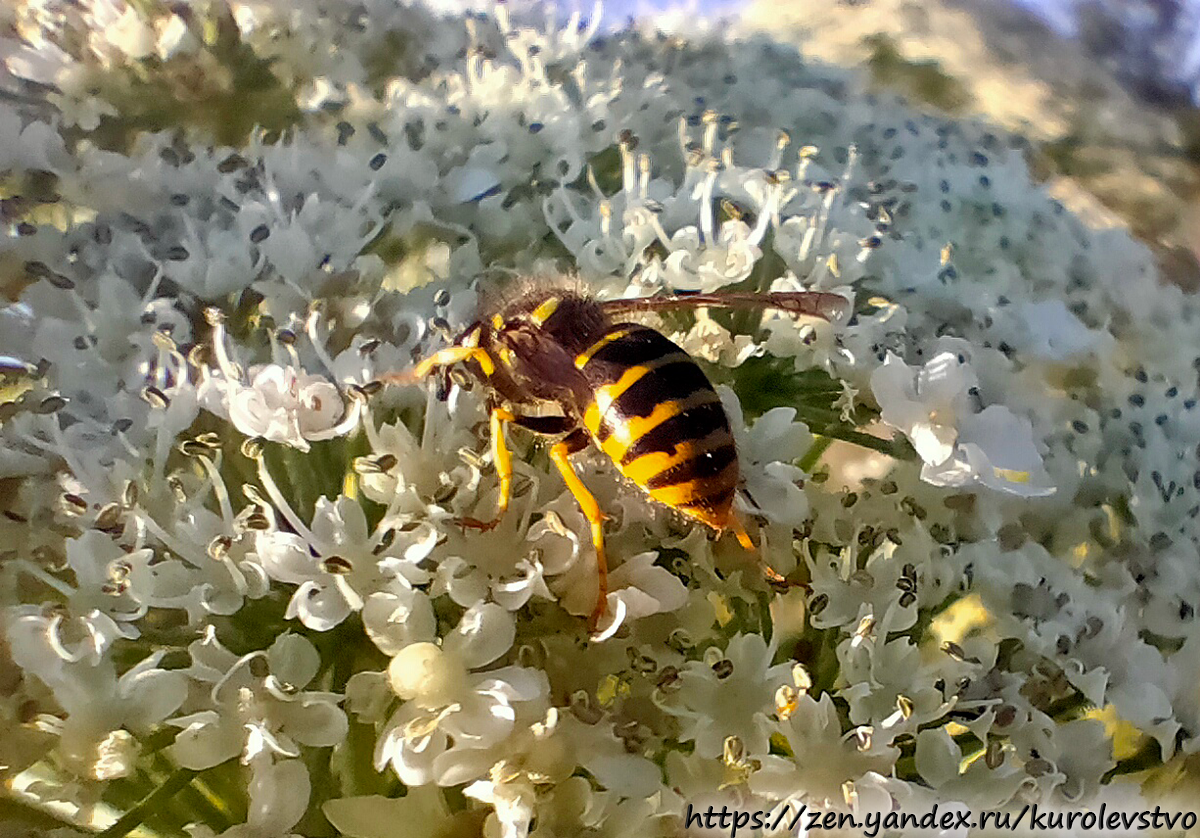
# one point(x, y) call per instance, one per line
point(226, 784)
point(192, 804)
point(151, 802)
point(813, 455)
point(883, 446)
point(765, 626)
point(826, 668)
point(221, 813)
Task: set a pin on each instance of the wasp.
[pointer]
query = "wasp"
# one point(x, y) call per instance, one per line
point(620, 386)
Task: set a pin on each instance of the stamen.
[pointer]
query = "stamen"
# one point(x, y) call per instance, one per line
point(590, 173)
point(768, 213)
point(706, 208)
point(216, 319)
point(55, 641)
point(710, 133)
point(281, 503)
point(781, 142)
point(318, 345)
point(186, 550)
point(219, 490)
point(643, 175)
point(628, 167)
point(238, 665)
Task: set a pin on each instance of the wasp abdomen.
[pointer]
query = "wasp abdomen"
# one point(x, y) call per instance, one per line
point(655, 414)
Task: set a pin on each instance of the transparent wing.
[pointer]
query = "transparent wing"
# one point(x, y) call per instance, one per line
point(809, 303)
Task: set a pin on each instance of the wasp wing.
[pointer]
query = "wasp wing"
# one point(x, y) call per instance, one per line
point(809, 303)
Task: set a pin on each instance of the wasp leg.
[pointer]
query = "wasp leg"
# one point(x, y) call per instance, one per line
point(591, 510)
point(444, 358)
point(504, 470)
point(735, 525)
point(453, 355)
point(544, 425)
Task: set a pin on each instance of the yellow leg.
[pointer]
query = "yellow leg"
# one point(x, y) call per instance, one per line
point(591, 511)
point(738, 530)
point(504, 469)
point(501, 457)
point(453, 355)
point(735, 525)
point(443, 358)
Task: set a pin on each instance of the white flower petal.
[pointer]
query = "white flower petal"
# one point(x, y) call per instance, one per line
point(278, 795)
point(293, 660)
point(485, 632)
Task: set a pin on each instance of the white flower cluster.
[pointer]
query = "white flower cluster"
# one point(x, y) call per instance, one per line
point(234, 572)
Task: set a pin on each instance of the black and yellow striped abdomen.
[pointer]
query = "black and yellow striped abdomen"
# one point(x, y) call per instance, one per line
point(655, 414)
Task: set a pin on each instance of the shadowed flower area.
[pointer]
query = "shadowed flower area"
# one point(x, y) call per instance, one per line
point(244, 585)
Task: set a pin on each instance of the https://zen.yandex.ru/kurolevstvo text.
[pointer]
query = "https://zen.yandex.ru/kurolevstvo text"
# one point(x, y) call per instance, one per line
point(799, 819)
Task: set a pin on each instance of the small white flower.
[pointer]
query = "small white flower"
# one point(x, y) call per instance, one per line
point(98, 708)
point(282, 404)
point(729, 694)
point(513, 802)
point(498, 565)
point(712, 342)
point(926, 406)
point(960, 447)
point(455, 721)
point(424, 465)
point(881, 676)
point(211, 581)
point(996, 449)
point(638, 588)
point(813, 728)
point(767, 452)
point(218, 262)
point(278, 794)
point(103, 606)
point(256, 715)
point(337, 562)
point(433, 676)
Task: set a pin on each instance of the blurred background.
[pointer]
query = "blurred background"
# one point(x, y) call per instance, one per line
point(1106, 91)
